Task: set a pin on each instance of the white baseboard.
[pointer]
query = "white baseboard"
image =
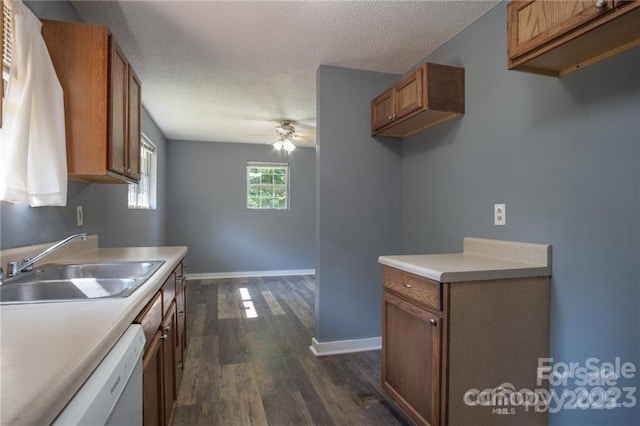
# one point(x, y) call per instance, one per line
point(345, 346)
point(247, 274)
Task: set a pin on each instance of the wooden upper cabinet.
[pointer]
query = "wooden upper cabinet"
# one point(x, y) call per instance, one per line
point(382, 109)
point(558, 37)
point(135, 102)
point(118, 111)
point(102, 111)
point(409, 93)
point(427, 96)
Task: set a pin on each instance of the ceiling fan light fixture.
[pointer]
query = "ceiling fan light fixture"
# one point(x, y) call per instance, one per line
point(288, 145)
point(278, 145)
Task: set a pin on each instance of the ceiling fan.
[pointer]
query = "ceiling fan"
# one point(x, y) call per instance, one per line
point(286, 135)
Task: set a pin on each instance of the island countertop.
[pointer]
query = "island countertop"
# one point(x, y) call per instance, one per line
point(481, 259)
point(48, 350)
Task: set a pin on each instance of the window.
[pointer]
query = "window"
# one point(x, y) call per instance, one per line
point(143, 194)
point(6, 48)
point(267, 186)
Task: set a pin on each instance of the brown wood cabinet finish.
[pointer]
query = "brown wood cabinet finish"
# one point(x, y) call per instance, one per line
point(558, 37)
point(150, 319)
point(102, 102)
point(163, 322)
point(181, 337)
point(169, 391)
point(411, 358)
point(447, 338)
point(152, 383)
point(427, 96)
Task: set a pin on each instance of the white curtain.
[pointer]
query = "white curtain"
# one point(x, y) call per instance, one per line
point(33, 161)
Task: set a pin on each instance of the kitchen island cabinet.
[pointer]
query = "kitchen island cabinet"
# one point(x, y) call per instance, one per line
point(459, 322)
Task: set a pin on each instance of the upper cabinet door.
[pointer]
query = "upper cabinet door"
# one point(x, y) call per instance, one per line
point(534, 23)
point(118, 110)
point(409, 93)
point(133, 169)
point(382, 109)
point(557, 37)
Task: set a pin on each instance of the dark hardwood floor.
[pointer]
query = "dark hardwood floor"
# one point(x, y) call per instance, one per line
point(248, 361)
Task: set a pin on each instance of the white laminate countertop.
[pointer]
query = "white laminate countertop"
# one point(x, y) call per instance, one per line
point(48, 350)
point(481, 259)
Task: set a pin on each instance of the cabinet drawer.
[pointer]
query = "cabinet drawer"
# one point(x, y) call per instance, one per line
point(150, 319)
point(413, 288)
point(168, 293)
point(180, 270)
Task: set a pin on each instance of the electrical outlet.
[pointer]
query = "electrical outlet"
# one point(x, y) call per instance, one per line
point(499, 215)
point(79, 216)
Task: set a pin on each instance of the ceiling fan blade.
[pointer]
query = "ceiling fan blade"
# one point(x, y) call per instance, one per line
point(306, 126)
point(303, 139)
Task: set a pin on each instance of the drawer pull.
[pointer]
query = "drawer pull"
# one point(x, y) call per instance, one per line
point(181, 313)
point(407, 285)
point(180, 365)
point(164, 336)
point(601, 4)
point(433, 321)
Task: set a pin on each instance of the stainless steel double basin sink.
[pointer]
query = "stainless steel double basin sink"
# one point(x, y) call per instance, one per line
point(56, 282)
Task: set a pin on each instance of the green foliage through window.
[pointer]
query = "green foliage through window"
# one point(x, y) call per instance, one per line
point(267, 186)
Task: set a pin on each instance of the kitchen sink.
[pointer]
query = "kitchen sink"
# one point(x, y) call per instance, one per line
point(57, 282)
point(98, 270)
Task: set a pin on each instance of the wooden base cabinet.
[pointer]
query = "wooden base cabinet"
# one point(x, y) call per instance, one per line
point(163, 360)
point(411, 358)
point(440, 341)
point(168, 329)
point(152, 376)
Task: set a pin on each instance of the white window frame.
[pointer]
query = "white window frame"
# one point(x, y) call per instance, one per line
point(268, 165)
point(143, 195)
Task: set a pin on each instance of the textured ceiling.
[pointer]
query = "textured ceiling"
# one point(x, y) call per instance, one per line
point(227, 71)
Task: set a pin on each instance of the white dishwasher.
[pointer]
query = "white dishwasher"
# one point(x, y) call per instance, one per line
point(112, 395)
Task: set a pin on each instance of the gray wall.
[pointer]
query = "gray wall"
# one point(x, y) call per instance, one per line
point(104, 206)
point(564, 155)
point(358, 219)
point(207, 209)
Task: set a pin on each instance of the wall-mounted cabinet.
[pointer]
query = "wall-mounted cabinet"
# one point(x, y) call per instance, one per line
point(102, 96)
point(559, 37)
point(425, 97)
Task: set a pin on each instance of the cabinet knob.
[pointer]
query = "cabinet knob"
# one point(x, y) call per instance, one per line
point(601, 4)
point(390, 117)
point(406, 285)
point(163, 336)
point(433, 321)
point(180, 365)
point(393, 117)
point(181, 313)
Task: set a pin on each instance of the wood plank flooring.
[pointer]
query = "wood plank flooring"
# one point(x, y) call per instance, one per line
point(248, 361)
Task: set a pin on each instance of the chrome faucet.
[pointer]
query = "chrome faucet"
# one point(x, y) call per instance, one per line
point(14, 270)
